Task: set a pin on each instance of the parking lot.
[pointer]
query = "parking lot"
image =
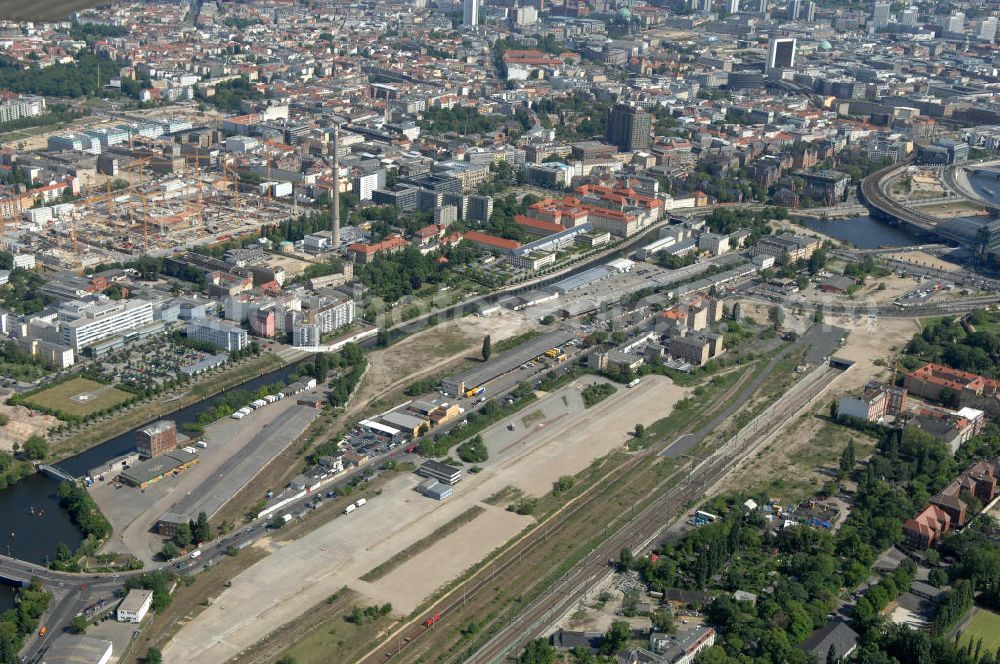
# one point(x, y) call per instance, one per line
point(152, 362)
point(236, 452)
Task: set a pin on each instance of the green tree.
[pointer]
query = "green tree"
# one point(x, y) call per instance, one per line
point(663, 621)
point(183, 537)
point(538, 652)
point(639, 431)
point(625, 559)
point(78, 625)
point(616, 637)
point(487, 348)
point(36, 447)
point(847, 458)
point(153, 656)
point(949, 397)
point(169, 550)
point(201, 531)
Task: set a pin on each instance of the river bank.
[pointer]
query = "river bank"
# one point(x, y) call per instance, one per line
point(161, 406)
point(38, 523)
point(861, 231)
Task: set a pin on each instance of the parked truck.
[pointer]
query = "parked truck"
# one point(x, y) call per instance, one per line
point(360, 503)
point(286, 517)
point(350, 508)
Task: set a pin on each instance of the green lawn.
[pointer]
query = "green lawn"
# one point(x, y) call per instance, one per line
point(983, 625)
point(991, 324)
point(61, 396)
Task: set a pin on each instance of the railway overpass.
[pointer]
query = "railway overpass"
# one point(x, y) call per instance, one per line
point(958, 231)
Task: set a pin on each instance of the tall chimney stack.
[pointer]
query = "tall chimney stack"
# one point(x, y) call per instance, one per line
point(335, 198)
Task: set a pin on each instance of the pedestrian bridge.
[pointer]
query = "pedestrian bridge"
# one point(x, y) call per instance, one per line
point(55, 472)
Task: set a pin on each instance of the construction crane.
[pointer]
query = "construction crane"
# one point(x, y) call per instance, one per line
point(140, 165)
point(197, 158)
point(235, 186)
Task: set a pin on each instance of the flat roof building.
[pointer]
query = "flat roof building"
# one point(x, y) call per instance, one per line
point(224, 334)
point(440, 471)
point(458, 384)
point(135, 606)
point(83, 324)
point(147, 472)
point(78, 649)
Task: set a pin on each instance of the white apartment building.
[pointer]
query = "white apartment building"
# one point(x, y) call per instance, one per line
point(25, 106)
point(305, 334)
point(224, 334)
point(83, 324)
point(332, 316)
point(24, 261)
point(322, 320)
point(364, 185)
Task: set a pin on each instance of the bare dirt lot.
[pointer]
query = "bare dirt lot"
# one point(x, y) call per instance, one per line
point(922, 258)
point(804, 455)
point(300, 573)
point(293, 266)
point(427, 352)
point(22, 425)
point(957, 209)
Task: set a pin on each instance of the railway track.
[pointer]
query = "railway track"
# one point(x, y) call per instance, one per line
point(413, 632)
point(641, 531)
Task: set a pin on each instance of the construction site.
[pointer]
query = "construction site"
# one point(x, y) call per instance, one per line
point(149, 196)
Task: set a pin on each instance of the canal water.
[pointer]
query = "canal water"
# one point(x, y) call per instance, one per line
point(863, 232)
point(33, 524)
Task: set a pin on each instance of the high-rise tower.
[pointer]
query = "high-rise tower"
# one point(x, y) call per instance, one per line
point(335, 194)
point(470, 12)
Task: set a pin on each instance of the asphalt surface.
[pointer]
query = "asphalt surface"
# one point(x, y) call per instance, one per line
point(239, 469)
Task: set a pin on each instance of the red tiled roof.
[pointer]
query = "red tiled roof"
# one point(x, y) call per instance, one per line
point(394, 242)
point(538, 224)
point(491, 240)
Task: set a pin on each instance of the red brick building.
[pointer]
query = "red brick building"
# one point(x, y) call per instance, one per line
point(156, 439)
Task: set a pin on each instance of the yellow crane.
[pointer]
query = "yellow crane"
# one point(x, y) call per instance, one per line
point(140, 165)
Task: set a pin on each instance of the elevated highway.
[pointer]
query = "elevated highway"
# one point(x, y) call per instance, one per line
point(873, 193)
point(956, 179)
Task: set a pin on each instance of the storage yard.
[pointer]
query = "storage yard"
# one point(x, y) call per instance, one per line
point(236, 450)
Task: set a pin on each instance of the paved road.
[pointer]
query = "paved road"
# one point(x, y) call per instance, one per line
point(71, 594)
